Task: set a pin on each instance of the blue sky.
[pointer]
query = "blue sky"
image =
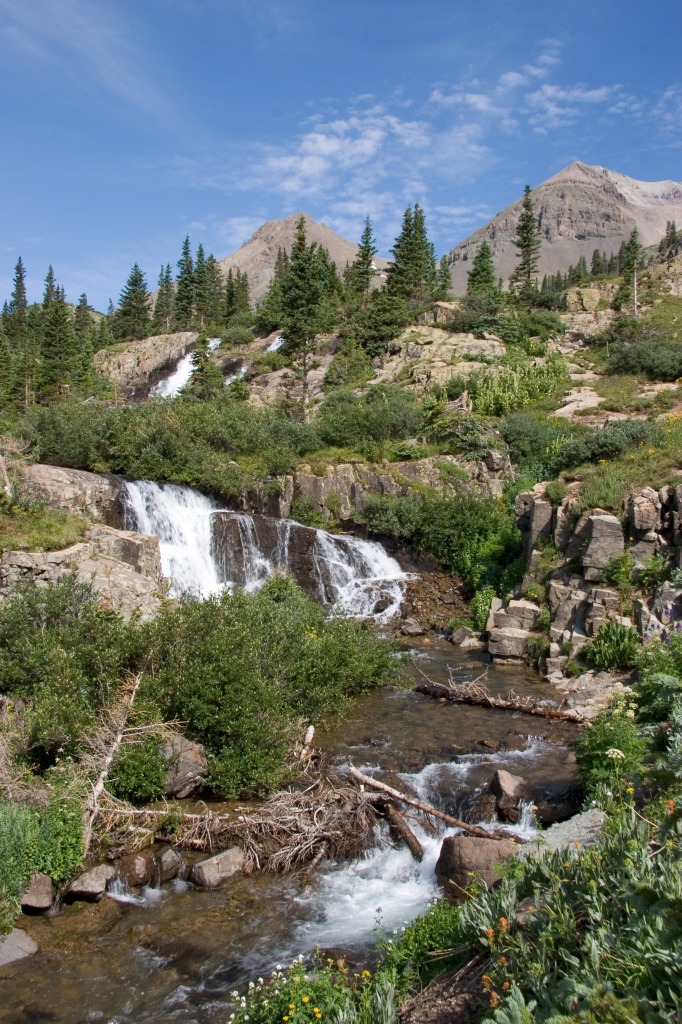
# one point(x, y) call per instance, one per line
point(126, 125)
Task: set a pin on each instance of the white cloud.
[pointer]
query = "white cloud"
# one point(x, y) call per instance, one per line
point(552, 106)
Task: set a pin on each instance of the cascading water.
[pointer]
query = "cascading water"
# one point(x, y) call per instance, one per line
point(181, 519)
point(205, 549)
point(176, 380)
point(276, 344)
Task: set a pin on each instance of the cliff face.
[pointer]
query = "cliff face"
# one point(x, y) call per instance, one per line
point(580, 209)
point(257, 256)
point(141, 363)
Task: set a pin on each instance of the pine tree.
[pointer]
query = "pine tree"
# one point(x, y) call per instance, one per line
point(667, 243)
point(270, 313)
point(581, 271)
point(214, 290)
point(597, 265)
point(82, 319)
point(184, 289)
point(132, 316)
point(162, 317)
point(360, 272)
point(481, 279)
point(444, 281)
point(412, 275)
point(206, 380)
point(50, 288)
point(306, 306)
point(527, 244)
point(59, 349)
point(6, 371)
point(22, 341)
point(18, 302)
point(201, 289)
point(632, 261)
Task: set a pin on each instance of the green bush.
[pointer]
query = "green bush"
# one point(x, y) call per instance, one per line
point(350, 368)
point(509, 388)
point(480, 607)
point(139, 771)
point(614, 646)
point(384, 412)
point(610, 751)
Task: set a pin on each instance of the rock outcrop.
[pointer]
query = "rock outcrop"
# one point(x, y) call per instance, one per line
point(91, 885)
point(15, 946)
point(138, 365)
point(187, 766)
point(462, 857)
point(95, 495)
point(213, 871)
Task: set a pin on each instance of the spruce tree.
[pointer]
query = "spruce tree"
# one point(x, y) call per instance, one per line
point(6, 371)
point(132, 318)
point(270, 313)
point(359, 274)
point(444, 280)
point(527, 244)
point(184, 289)
point(201, 290)
point(22, 339)
point(206, 380)
point(214, 291)
point(82, 319)
point(50, 290)
point(631, 258)
point(412, 275)
point(162, 317)
point(60, 351)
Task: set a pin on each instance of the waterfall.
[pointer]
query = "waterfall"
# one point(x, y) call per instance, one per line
point(180, 375)
point(276, 344)
point(181, 519)
point(205, 549)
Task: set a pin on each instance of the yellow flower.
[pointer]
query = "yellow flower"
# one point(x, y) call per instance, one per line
point(286, 1018)
point(306, 999)
point(292, 1006)
point(366, 974)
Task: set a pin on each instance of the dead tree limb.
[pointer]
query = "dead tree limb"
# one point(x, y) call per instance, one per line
point(473, 830)
point(399, 825)
point(474, 693)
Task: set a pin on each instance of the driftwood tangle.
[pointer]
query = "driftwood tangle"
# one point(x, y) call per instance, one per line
point(475, 693)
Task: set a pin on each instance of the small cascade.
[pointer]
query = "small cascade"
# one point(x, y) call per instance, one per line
point(181, 518)
point(276, 344)
point(178, 377)
point(237, 375)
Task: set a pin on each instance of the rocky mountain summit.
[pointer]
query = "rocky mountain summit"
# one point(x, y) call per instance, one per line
point(257, 256)
point(580, 209)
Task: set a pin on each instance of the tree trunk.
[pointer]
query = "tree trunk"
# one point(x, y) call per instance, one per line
point(468, 693)
point(400, 826)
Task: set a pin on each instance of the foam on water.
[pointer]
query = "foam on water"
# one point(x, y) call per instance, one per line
point(171, 385)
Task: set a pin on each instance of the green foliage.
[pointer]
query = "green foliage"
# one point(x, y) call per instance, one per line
point(618, 573)
point(654, 572)
point(138, 772)
point(412, 275)
point(610, 751)
point(614, 646)
point(471, 536)
point(384, 412)
point(38, 528)
point(527, 244)
point(480, 606)
point(243, 671)
point(132, 316)
point(378, 321)
point(350, 368)
point(304, 510)
point(501, 391)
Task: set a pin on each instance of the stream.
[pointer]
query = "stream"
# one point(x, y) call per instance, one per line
point(173, 954)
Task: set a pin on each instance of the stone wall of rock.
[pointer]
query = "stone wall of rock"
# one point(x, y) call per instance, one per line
point(95, 495)
point(580, 601)
point(123, 567)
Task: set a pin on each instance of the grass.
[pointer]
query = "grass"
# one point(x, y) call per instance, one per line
point(666, 315)
point(39, 529)
point(608, 485)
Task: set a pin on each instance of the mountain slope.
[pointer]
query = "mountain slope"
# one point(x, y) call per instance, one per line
point(257, 256)
point(580, 209)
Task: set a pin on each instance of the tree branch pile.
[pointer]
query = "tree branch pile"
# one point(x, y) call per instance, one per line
point(475, 692)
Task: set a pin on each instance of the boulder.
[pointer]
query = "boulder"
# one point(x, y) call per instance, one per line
point(168, 862)
point(411, 628)
point(213, 871)
point(136, 868)
point(508, 791)
point(16, 946)
point(644, 510)
point(519, 614)
point(39, 895)
point(464, 856)
point(508, 643)
point(459, 635)
point(92, 494)
point(605, 542)
point(91, 885)
point(187, 766)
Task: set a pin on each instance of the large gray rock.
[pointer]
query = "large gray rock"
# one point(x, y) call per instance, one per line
point(39, 895)
point(187, 766)
point(16, 946)
point(92, 494)
point(91, 885)
point(461, 857)
point(169, 864)
point(605, 542)
point(519, 614)
point(508, 791)
point(508, 643)
point(136, 868)
point(215, 870)
point(141, 362)
point(644, 510)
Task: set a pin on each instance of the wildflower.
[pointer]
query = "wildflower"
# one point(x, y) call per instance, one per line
point(670, 806)
point(234, 994)
point(494, 999)
point(486, 982)
point(366, 974)
point(306, 999)
point(503, 960)
point(630, 790)
point(506, 985)
point(576, 844)
point(292, 1006)
point(504, 924)
point(490, 934)
point(615, 754)
point(285, 1017)
point(252, 984)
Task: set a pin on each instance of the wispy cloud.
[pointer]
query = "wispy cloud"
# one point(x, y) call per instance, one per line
point(90, 41)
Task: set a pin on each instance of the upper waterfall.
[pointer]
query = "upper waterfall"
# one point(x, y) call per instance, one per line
point(180, 375)
point(205, 549)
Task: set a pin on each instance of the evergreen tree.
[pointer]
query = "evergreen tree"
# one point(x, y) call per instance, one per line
point(632, 261)
point(359, 274)
point(306, 307)
point(527, 244)
point(667, 243)
point(412, 275)
point(132, 316)
point(82, 319)
point(22, 341)
point(270, 313)
point(162, 317)
point(206, 380)
point(184, 289)
point(201, 288)
point(6, 371)
point(50, 288)
point(60, 351)
point(581, 271)
point(214, 290)
point(444, 281)
point(598, 265)
point(18, 302)
point(481, 278)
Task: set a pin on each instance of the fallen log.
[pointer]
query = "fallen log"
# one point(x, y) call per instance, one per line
point(473, 693)
point(399, 825)
point(473, 830)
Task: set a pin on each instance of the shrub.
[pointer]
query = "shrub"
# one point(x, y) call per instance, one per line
point(614, 646)
point(138, 772)
point(497, 392)
point(382, 413)
point(610, 751)
point(350, 368)
point(480, 607)
point(618, 573)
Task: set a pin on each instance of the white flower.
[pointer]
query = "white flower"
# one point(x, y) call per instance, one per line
point(615, 754)
point(252, 984)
